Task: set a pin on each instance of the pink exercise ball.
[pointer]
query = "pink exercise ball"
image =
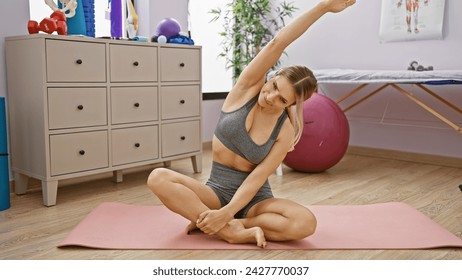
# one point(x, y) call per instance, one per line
point(325, 136)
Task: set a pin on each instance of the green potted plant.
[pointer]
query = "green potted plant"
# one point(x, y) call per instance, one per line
point(248, 25)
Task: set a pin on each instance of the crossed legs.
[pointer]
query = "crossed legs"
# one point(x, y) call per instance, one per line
point(272, 219)
point(189, 198)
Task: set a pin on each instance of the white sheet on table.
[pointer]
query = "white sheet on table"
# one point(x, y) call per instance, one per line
point(385, 76)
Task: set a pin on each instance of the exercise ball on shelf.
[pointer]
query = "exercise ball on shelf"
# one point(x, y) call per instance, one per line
point(325, 137)
point(168, 27)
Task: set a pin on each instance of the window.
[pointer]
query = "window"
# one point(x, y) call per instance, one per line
point(215, 78)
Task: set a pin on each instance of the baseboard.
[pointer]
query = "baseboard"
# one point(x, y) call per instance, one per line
point(406, 156)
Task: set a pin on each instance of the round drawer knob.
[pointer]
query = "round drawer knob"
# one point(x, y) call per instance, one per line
point(79, 61)
point(82, 152)
point(80, 107)
point(183, 137)
point(137, 145)
point(136, 104)
point(182, 101)
point(136, 63)
point(182, 64)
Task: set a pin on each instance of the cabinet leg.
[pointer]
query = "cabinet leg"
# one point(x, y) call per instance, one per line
point(197, 163)
point(117, 176)
point(21, 182)
point(167, 164)
point(49, 192)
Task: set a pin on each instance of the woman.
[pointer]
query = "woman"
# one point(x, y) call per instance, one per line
point(255, 131)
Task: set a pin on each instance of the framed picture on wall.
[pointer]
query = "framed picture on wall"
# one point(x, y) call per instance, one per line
point(410, 20)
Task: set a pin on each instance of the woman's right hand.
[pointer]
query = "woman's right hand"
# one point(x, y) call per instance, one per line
point(212, 221)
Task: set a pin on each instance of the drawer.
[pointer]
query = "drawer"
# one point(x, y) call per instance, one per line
point(180, 101)
point(180, 138)
point(75, 61)
point(180, 64)
point(133, 63)
point(135, 144)
point(76, 107)
point(77, 152)
point(133, 104)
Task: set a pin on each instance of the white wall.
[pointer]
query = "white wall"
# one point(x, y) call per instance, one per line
point(351, 40)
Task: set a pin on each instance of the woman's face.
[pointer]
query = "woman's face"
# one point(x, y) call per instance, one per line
point(277, 94)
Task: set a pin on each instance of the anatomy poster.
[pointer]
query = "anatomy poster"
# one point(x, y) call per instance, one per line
point(410, 20)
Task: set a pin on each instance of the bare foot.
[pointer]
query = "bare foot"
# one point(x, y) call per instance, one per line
point(235, 232)
point(191, 227)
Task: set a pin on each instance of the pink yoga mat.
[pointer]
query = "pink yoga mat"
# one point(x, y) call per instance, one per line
point(377, 226)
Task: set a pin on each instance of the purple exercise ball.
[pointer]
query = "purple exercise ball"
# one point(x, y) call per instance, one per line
point(169, 27)
point(325, 137)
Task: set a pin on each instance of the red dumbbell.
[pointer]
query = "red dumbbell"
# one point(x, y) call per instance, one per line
point(56, 22)
point(33, 27)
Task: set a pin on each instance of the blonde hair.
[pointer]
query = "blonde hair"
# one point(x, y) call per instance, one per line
point(304, 83)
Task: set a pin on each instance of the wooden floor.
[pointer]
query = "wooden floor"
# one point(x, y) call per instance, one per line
point(29, 230)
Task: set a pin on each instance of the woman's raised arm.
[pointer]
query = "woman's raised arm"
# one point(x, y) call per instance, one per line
point(255, 72)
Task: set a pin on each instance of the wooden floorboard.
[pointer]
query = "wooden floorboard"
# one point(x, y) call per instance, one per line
point(29, 230)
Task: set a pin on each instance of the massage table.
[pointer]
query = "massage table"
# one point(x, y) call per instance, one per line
point(391, 78)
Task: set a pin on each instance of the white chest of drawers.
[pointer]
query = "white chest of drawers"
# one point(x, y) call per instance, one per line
point(82, 106)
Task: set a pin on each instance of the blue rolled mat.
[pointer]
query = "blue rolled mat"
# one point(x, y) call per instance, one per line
point(4, 171)
point(4, 184)
point(89, 12)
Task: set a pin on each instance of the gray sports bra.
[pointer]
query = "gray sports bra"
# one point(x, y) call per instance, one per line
point(232, 133)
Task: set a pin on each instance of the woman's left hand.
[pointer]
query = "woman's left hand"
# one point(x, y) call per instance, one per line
point(212, 221)
point(336, 6)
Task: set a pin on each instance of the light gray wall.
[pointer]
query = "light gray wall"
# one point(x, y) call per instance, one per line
point(13, 21)
point(351, 40)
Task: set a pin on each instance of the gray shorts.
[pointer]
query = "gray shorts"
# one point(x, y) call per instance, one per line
point(225, 181)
